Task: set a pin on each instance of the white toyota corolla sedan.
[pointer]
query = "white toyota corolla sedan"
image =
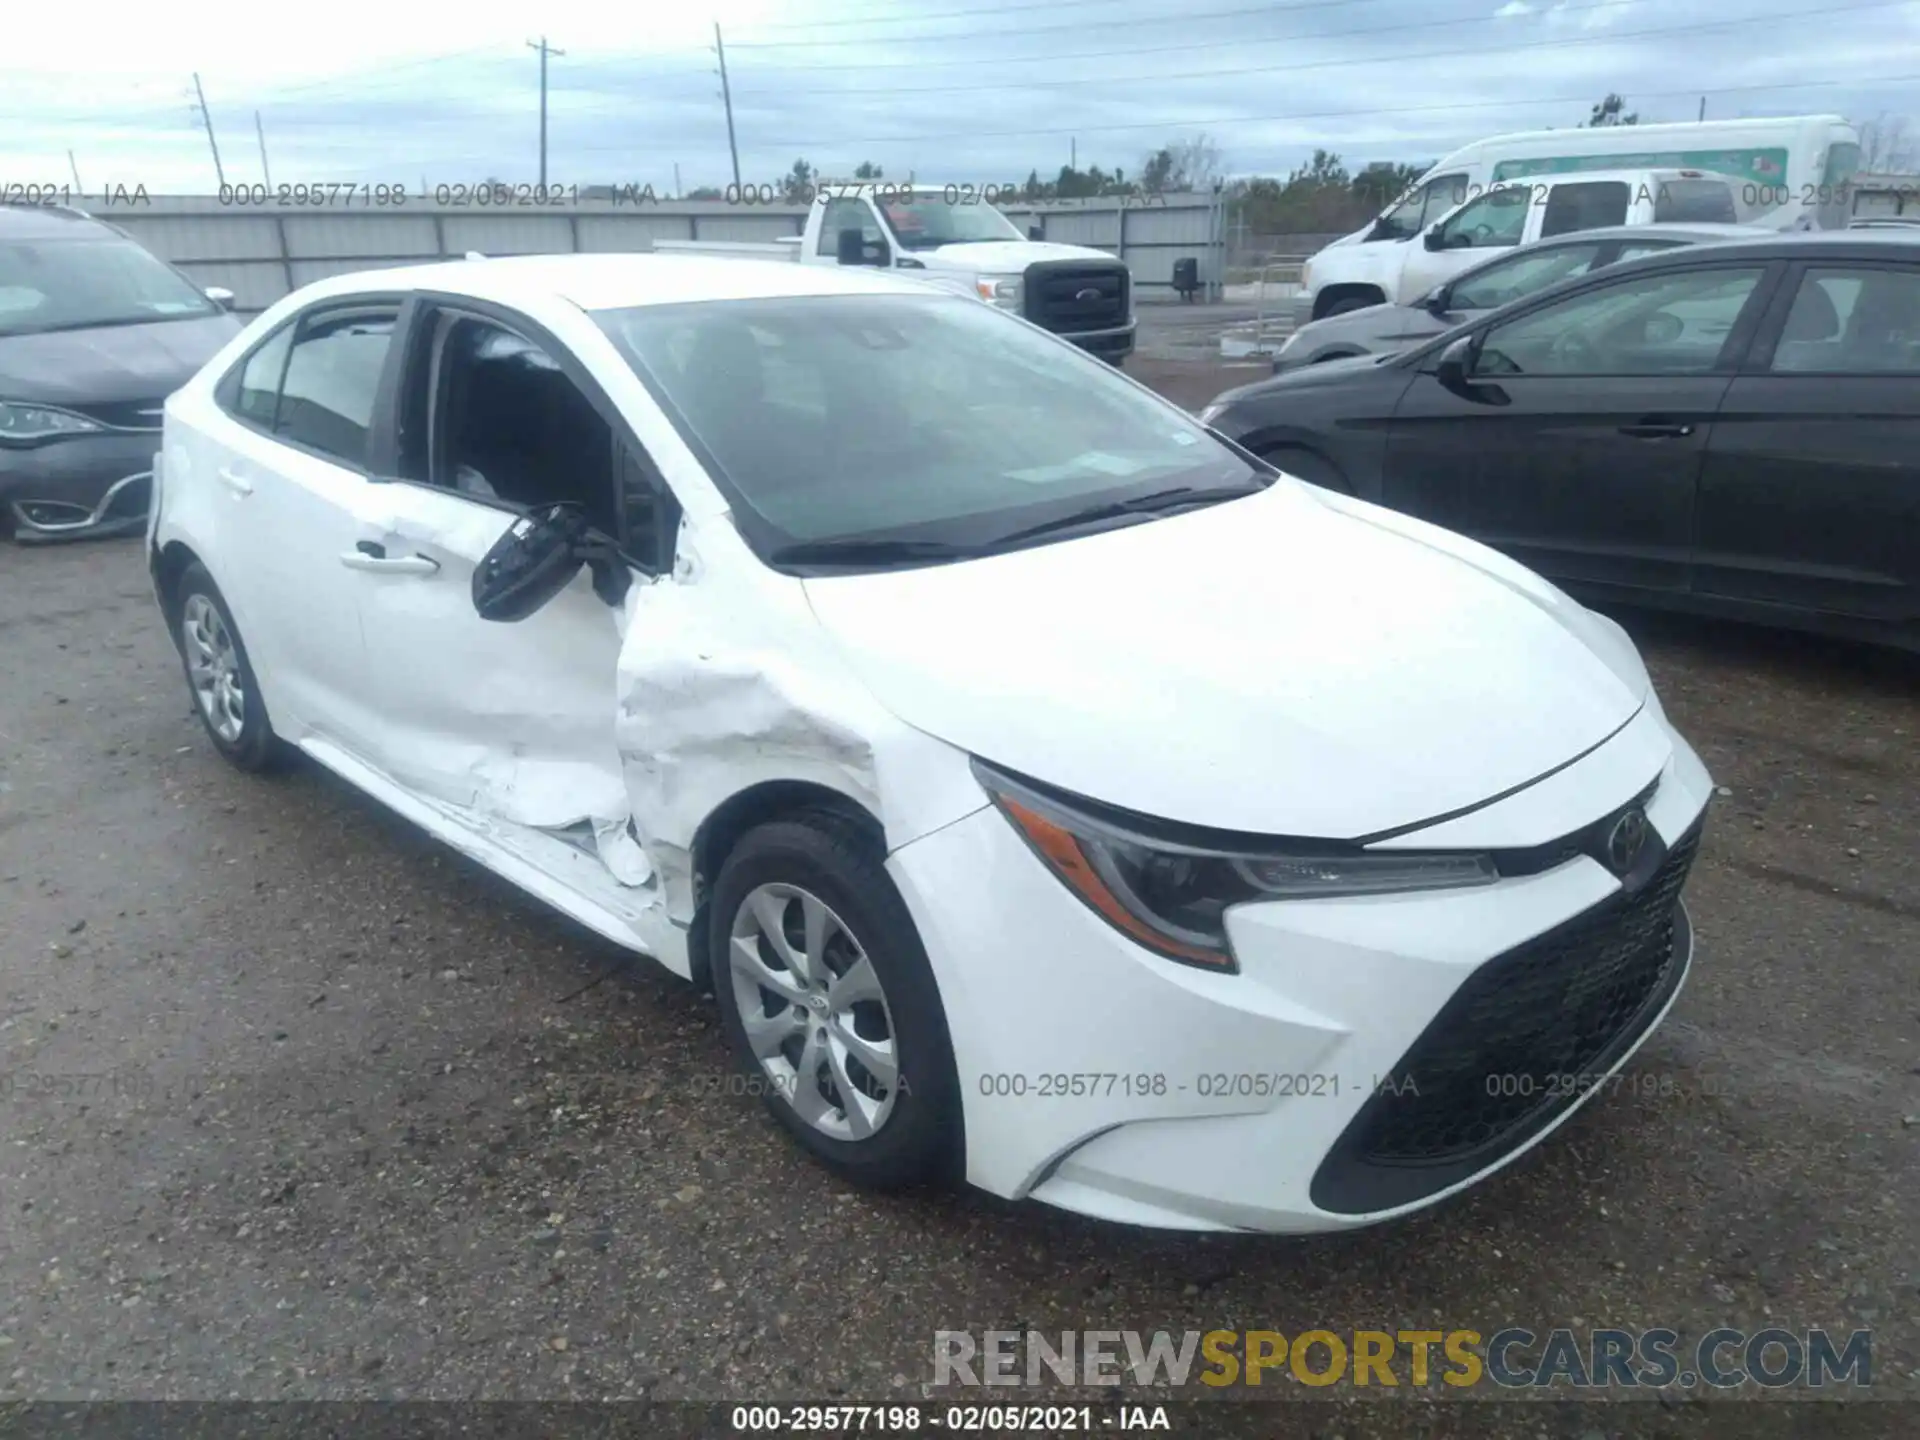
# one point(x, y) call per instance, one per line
point(1050, 793)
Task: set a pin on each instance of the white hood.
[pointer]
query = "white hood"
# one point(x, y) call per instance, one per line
point(1005, 257)
point(1285, 664)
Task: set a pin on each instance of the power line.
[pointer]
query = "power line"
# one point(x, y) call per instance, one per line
point(1004, 10)
point(1372, 112)
point(1607, 38)
point(1077, 25)
point(1239, 43)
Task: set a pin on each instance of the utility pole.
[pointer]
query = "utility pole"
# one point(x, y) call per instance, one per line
point(726, 95)
point(74, 165)
point(218, 170)
point(676, 179)
point(1703, 107)
point(260, 131)
point(1073, 153)
point(545, 50)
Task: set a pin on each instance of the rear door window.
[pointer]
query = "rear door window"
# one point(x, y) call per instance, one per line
point(1585, 205)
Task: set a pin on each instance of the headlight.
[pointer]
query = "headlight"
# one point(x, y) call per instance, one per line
point(1171, 896)
point(999, 291)
point(24, 422)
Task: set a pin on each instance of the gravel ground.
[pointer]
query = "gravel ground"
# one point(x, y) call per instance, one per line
point(384, 1128)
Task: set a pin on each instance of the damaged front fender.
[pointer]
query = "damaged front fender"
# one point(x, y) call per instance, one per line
point(726, 683)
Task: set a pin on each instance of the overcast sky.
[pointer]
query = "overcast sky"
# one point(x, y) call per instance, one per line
point(971, 90)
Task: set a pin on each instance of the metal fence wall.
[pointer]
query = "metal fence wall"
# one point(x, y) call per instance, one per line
point(262, 252)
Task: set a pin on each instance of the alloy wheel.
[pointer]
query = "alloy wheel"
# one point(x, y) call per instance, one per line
point(213, 668)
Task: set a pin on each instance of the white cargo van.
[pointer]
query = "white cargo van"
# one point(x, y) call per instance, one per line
point(1792, 173)
point(950, 235)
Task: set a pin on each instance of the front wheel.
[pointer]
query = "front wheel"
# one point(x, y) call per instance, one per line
point(830, 1005)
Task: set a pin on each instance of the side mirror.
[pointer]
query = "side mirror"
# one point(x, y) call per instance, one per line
point(853, 248)
point(1434, 239)
point(1036, 232)
point(1452, 371)
point(219, 295)
point(1438, 300)
point(530, 564)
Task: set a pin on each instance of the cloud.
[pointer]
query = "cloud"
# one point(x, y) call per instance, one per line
point(380, 93)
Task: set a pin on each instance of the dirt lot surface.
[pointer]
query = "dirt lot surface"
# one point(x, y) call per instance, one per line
point(378, 1127)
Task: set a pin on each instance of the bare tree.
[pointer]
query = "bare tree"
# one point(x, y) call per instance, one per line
point(1887, 145)
point(1196, 163)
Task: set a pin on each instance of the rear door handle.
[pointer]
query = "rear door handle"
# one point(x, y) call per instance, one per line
point(234, 480)
point(372, 555)
point(1657, 430)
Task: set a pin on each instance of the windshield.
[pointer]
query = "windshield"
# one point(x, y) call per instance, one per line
point(931, 419)
point(929, 221)
point(78, 284)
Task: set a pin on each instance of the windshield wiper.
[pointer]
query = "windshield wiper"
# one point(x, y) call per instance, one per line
point(1160, 502)
point(856, 551)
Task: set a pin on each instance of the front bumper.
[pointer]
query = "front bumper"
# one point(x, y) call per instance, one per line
point(1107, 344)
point(1107, 1081)
point(86, 486)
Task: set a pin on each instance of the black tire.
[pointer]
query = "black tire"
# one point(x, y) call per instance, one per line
point(1309, 466)
point(1347, 306)
point(920, 1141)
point(255, 748)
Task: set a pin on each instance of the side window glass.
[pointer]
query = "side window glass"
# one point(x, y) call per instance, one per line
point(1586, 205)
point(511, 426)
point(1673, 324)
point(1497, 218)
point(1443, 193)
point(332, 381)
point(845, 215)
point(1520, 275)
point(258, 390)
point(1852, 321)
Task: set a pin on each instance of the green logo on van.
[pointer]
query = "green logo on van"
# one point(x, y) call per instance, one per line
point(1760, 167)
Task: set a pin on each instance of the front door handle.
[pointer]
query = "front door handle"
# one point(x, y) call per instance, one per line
point(1652, 429)
point(235, 481)
point(372, 555)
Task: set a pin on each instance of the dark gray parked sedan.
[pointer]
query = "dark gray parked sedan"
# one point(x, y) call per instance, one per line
point(1384, 329)
point(95, 333)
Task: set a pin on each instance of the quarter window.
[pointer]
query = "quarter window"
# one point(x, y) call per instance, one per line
point(258, 390)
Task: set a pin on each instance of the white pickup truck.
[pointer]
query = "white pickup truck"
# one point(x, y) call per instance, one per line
point(962, 243)
point(1354, 273)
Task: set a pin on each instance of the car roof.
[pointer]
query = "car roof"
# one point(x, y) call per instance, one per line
point(53, 222)
point(1675, 230)
point(617, 281)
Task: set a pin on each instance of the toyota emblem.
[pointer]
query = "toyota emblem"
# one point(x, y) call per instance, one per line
point(1626, 840)
point(1087, 294)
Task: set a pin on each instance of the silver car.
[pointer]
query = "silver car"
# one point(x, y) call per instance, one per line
point(1383, 329)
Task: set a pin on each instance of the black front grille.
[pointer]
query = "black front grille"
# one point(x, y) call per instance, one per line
point(1071, 297)
point(1505, 1055)
point(126, 414)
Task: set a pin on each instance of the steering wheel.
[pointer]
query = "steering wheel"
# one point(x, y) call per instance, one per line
point(1573, 351)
